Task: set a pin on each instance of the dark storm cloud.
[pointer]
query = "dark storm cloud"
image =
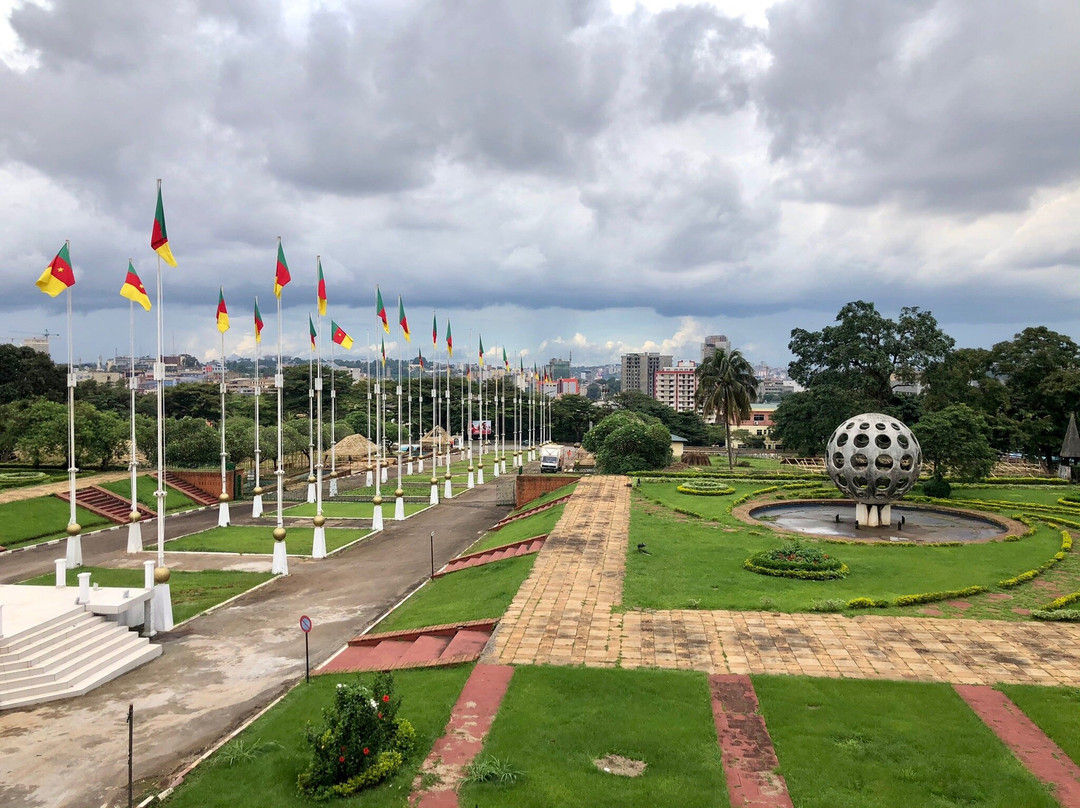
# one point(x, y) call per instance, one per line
point(951, 105)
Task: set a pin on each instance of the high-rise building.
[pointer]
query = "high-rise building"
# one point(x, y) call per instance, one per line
point(560, 368)
point(639, 371)
point(676, 386)
point(712, 344)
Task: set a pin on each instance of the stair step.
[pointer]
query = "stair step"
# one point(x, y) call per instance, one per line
point(52, 667)
point(17, 640)
point(42, 636)
point(385, 653)
point(424, 649)
point(466, 643)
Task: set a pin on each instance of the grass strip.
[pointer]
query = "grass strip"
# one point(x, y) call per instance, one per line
point(260, 540)
point(873, 744)
point(269, 779)
point(41, 519)
point(555, 721)
point(536, 525)
point(1055, 710)
point(351, 510)
point(192, 592)
point(145, 486)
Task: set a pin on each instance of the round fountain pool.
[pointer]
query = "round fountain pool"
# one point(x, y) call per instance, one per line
point(920, 523)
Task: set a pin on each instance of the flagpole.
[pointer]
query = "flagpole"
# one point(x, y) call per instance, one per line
point(399, 502)
point(468, 379)
point(318, 544)
point(134, 539)
point(281, 557)
point(480, 415)
point(223, 497)
point(434, 498)
point(495, 467)
point(74, 529)
point(367, 473)
point(256, 501)
point(502, 416)
point(161, 619)
point(448, 491)
point(310, 422)
point(333, 422)
point(377, 514)
point(419, 412)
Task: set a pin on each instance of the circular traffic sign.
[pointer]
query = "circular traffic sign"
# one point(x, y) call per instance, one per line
point(305, 623)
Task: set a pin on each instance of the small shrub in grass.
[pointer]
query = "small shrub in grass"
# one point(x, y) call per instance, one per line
point(937, 487)
point(828, 605)
point(361, 743)
point(241, 751)
point(867, 603)
point(1059, 615)
point(488, 769)
point(705, 488)
point(934, 597)
point(796, 560)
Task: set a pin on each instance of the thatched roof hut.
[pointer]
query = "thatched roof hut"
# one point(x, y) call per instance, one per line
point(438, 438)
point(354, 447)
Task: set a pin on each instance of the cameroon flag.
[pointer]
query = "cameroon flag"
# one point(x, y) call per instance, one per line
point(434, 332)
point(281, 271)
point(133, 288)
point(340, 337)
point(380, 310)
point(321, 290)
point(222, 312)
point(311, 331)
point(159, 239)
point(401, 319)
point(481, 350)
point(506, 362)
point(58, 275)
point(258, 322)
point(449, 339)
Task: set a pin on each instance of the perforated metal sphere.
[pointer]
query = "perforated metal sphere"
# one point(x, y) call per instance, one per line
point(873, 458)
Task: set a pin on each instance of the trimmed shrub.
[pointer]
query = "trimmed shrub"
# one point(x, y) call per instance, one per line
point(933, 597)
point(937, 487)
point(867, 603)
point(1060, 615)
point(705, 488)
point(796, 560)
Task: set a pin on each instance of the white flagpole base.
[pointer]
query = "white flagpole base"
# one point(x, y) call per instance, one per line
point(420, 465)
point(369, 479)
point(471, 483)
point(448, 491)
point(399, 509)
point(256, 506)
point(223, 515)
point(134, 537)
point(434, 500)
point(409, 469)
point(480, 477)
point(281, 559)
point(73, 557)
point(333, 487)
point(163, 619)
point(318, 546)
point(376, 518)
point(502, 465)
point(385, 475)
point(311, 492)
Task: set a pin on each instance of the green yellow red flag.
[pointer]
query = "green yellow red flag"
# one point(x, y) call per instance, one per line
point(340, 337)
point(58, 275)
point(449, 339)
point(258, 322)
point(321, 289)
point(481, 350)
point(402, 320)
point(133, 288)
point(281, 271)
point(380, 310)
point(159, 239)
point(222, 312)
point(311, 331)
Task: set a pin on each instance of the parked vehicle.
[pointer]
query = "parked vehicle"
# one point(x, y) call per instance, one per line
point(550, 459)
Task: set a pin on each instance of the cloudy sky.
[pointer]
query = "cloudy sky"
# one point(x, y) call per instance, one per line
point(588, 175)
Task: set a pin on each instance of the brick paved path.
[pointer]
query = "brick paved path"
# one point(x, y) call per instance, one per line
point(563, 615)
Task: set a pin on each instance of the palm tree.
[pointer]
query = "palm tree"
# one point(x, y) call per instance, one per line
point(726, 388)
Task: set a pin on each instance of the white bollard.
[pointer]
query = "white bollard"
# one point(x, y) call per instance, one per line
point(84, 588)
point(61, 572)
point(256, 506)
point(148, 574)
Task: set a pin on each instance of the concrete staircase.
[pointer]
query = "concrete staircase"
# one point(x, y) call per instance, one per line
point(192, 491)
point(547, 506)
point(105, 503)
point(449, 644)
point(67, 656)
point(512, 550)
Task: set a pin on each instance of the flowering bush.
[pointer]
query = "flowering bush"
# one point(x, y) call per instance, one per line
point(796, 560)
point(361, 743)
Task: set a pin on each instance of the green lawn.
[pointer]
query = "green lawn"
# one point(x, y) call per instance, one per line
point(192, 592)
point(707, 507)
point(145, 487)
point(350, 510)
point(476, 593)
point(526, 528)
point(298, 540)
point(32, 521)
point(868, 744)
point(1020, 493)
point(1056, 710)
point(269, 780)
point(698, 563)
point(554, 722)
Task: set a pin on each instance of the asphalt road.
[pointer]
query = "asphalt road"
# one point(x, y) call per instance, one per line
point(219, 669)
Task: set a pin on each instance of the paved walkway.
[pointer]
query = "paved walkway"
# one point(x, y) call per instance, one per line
point(221, 668)
point(31, 491)
point(564, 615)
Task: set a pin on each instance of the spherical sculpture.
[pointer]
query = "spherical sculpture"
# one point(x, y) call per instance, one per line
point(279, 534)
point(319, 520)
point(873, 458)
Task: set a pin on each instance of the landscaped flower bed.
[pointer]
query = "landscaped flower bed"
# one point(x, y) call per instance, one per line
point(705, 488)
point(797, 560)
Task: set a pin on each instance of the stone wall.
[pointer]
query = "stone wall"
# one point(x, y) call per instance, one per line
point(531, 486)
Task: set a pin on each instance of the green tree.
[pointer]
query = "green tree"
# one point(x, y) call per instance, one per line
point(726, 388)
point(625, 441)
point(26, 373)
point(803, 422)
point(571, 417)
point(868, 353)
point(955, 441)
point(687, 425)
point(193, 400)
point(191, 443)
point(42, 431)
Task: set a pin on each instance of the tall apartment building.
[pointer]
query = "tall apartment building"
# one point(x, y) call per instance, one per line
point(676, 386)
point(712, 344)
point(639, 371)
point(560, 368)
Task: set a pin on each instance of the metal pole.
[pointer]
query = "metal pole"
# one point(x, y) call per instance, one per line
point(279, 383)
point(258, 392)
point(159, 383)
point(431, 544)
point(224, 455)
point(131, 385)
point(131, 754)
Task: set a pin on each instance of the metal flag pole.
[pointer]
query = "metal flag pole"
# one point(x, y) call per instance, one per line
point(311, 421)
point(223, 497)
point(257, 492)
point(73, 556)
point(493, 416)
point(377, 514)
point(318, 544)
point(480, 414)
point(408, 414)
point(368, 482)
point(134, 537)
point(399, 502)
point(333, 422)
point(468, 379)
point(161, 619)
point(281, 557)
point(434, 498)
point(502, 415)
point(448, 491)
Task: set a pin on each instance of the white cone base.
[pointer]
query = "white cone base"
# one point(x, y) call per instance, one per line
point(223, 515)
point(495, 469)
point(257, 506)
point(502, 464)
point(333, 487)
point(886, 514)
point(369, 479)
point(134, 538)
point(399, 509)
point(73, 558)
point(376, 518)
point(471, 483)
point(311, 492)
point(318, 546)
point(480, 477)
point(281, 559)
point(163, 620)
point(448, 491)
point(385, 476)
point(434, 500)
point(420, 466)
point(409, 469)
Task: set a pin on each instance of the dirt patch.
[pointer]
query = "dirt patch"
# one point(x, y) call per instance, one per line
point(617, 764)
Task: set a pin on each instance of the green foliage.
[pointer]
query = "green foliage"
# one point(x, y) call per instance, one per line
point(242, 752)
point(361, 742)
point(490, 769)
point(933, 597)
point(1016, 580)
point(705, 488)
point(955, 440)
point(1063, 601)
point(1058, 615)
point(26, 374)
point(726, 388)
point(794, 559)
point(571, 417)
point(687, 425)
point(624, 442)
point(867, 603)
point(937, 487)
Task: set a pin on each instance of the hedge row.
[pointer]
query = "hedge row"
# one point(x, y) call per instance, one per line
point(933, 597)
point(1016, 580)
point(803, 575)
point(1059, 615)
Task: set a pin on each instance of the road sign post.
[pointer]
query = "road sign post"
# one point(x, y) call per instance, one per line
point(305, 626)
